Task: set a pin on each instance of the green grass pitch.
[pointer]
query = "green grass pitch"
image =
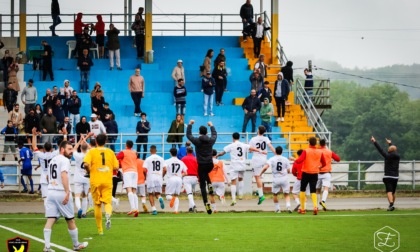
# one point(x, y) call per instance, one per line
point(248, 231)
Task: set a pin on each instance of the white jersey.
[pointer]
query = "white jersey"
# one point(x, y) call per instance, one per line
point(261, 143)
point(79, 171)
point(44, 160)
point(237, 152)
point(154, 165)
point(57, 165)
point(175, 167)
point(279, 166)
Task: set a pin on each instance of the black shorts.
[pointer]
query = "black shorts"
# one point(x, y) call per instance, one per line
point(100, 39)
point(390, 184)
point(310, 179)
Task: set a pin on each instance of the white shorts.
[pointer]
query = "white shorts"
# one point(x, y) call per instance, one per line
point(219, 188)
point(323, 180)
point(296, 188)
point(80, 188)
point(44, 190)
point(233, 175)
point(141, 190)
point(154, 185)
point(54, 206)
point(189, 183)
point(257, 168)
point(130, 179)
point(281, 182)
point(173, 185)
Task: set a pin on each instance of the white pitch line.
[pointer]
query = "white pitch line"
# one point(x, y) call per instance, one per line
point(240, 216)
point(35, 238)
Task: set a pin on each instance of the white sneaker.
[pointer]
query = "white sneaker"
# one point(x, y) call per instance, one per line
point(80, 246)
point(108, 222)
point(282, 119)
point(205, 114)
point(211, 114)
point(278, 211)
point(289, 210)
point(48, 250)
point(278, 119)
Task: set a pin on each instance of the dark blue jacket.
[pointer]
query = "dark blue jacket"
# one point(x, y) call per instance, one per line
point(205, 85)
point(285, 89)
point(83, 59)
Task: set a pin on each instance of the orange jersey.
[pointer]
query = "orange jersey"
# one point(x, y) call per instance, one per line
point(312, 160)
point(329, 155)
point(128, 161)
point(217, 174)
point(140, 170)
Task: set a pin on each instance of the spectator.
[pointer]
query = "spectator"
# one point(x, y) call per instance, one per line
point(106, 112)
point(29, 96)
point(55, 14)
point(256, 80)
point(309, 83)
point(261, 66)
point(266, 112)
point(97, 104)
point(65, 127)
point(73, 105)
point(100, 35)
point(113, 47)
point(78, 30)
point(9, 97)
point(85, 41)
point(178, 73)
point(55, 95)
point(180, 94)
point(207, 62)
point(84, 62)
point(138, 27)
point(174, 133)
point(6, 61)
point(31, 121)
point(96, 89)
point(47, 100)
point(142, 129)
point(258, 36)
point(47, 61)
point(219, 75)
point(265, 92)
point(13, 70)
point(48, 125)
point(96, 126)
point(111, 127)
point(247, 15)
point(250, 106)
point(136, 87)
point(221, 57)
point(10, 133)
point(65, 94)
point(16, 117)
point(288, 72)
point(82, 128)
point(182, 152)
point(207, 85)
point(281, 92)
point(58, 112)
point(38, 111)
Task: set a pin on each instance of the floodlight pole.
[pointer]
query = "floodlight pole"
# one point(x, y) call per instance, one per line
point(274, 30)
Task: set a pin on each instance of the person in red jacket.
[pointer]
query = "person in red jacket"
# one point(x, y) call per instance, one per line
point(100, 35)
point(324, 176)
point(191, 179)
point(78, 29)
point(297, 172)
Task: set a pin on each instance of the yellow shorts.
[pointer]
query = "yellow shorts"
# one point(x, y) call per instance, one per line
point(101, 193)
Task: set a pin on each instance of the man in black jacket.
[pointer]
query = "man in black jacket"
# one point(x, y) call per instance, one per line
point(9, 97)
point(73, 105)
point(204, 151)
point(55, 14)
point(246, 13)
point(84, 62)
point(250, 106)
point(392, 163)
point(142, 128)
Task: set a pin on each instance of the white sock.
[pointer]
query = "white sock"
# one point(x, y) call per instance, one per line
point(77, 202)
point(241, 188)
point(213, 206)
point(318, 196)
point(90, 200)
point(84, 205)
point(190, 200)
point(324, 195)
point(287, 203)
point(260, 192)
point(153, 208)
point(47, 237)
point(74, 236)
point(45, 202)
point(233, 192)
point(176, 205)
point(168, 197)
point(277, 206)
point(131, 200)
point(136, 201)
point(143, 200)
point(114, 200)
point(297, 200)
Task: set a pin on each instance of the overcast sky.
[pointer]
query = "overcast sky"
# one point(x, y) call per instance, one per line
point(362, 33)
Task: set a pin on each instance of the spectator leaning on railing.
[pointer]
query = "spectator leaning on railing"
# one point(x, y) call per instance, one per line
point(10, 133)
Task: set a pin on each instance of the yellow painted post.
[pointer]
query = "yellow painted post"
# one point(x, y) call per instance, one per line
point(22, 25)
point(148, 28)
point(274, 30)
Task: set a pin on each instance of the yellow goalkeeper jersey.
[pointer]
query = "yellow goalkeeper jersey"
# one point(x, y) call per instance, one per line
point(102, 162)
